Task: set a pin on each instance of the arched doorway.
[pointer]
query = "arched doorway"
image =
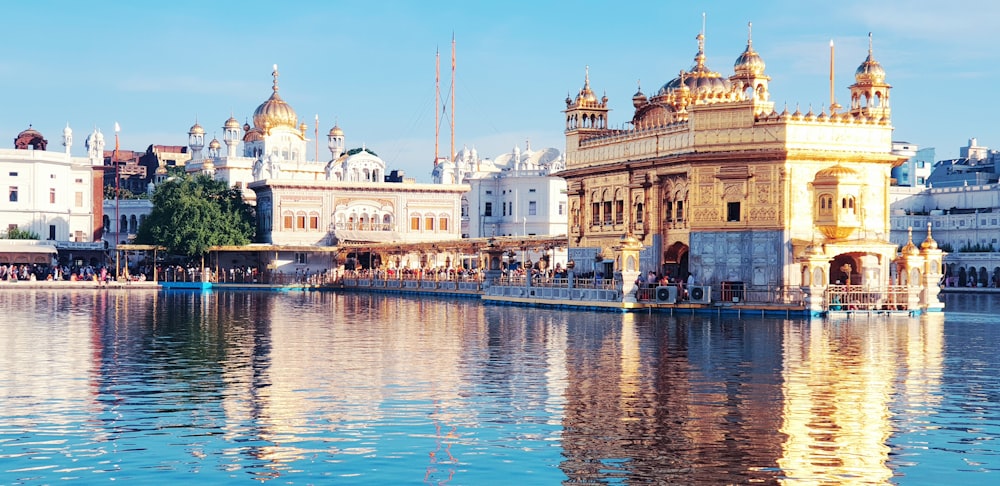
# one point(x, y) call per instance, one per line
point(675, 261)
point(845, 270)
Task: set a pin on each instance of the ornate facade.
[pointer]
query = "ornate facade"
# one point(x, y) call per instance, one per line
point(302, 202)
point(713, 180)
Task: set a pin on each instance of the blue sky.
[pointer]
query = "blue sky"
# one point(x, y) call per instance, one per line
point(156, 67)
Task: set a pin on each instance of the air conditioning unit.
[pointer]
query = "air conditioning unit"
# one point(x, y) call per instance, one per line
point(700, 294)
point(666, 294)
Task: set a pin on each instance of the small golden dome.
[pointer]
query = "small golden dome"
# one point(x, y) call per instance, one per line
point(909, 249)
point(929, 243)
point(870, 71)
point(835, 174)
point(639, 98)
point(231, 123)
point(196, 129)
point(749, 63)
point(214, 144)
point(336, 131)
point(253, 135)
point(629, 241)
point(586, 95)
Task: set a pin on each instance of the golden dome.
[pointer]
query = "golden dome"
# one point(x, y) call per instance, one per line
point(870, 71)
point(336, 132)
point(929, 243)
point(586, 95)
point(835, 175)
point(275, 112)
point(214, 144)
point(749, 62)
point(253, 135)
point(700, 80)
point(909, 249)
point(639, 98)
point(231, 123)
point(196, 129)
point(628, 240)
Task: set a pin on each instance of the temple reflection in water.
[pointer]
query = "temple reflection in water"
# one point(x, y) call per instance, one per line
point(271, 384)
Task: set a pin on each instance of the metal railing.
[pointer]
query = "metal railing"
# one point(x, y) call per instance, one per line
point(858, 298)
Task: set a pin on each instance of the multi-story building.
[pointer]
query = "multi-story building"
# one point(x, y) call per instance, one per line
point(53, 194)
point(965, 222)
point(916, 169)
point(514, 194)
point(349, 198)
point(713, 180)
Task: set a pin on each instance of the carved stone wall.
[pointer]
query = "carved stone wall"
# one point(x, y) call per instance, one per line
point(756, 258)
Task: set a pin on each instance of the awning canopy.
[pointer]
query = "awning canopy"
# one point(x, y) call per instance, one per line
point(26, 253)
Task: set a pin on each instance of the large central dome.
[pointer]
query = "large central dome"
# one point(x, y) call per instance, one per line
point(700, 79)
point(275, 112)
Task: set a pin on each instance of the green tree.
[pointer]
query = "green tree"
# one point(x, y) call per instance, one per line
point(191, 214)
point(20, 234)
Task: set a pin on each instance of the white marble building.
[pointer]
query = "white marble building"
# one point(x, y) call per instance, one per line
point(346, 198)
point(52, 193)
point(514, 194)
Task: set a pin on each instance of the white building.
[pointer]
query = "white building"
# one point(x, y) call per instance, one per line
point(965, 221)
point(514, 194)
point(917, 168)
point(52, 193)
point(302, 202)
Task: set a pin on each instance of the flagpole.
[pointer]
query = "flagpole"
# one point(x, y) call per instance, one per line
point(118, 221)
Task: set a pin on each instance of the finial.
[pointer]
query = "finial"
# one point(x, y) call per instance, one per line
point(750, 33)
point(275, 74)
point(909, 234)
point(869, 43)
point(586, 76)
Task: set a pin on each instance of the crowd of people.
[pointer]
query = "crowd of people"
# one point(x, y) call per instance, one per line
point(35, 272)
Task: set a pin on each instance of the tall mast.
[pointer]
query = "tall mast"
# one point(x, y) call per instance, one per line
point(452, 154)
point(833, 102)
point(316, 131)
point(437, 103)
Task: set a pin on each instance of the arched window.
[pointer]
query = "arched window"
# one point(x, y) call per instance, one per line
point(287, 220)
point(313, 220)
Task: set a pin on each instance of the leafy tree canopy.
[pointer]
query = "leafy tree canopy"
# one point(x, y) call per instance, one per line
point(191, 214)
point(20, 234)
point(109, 193)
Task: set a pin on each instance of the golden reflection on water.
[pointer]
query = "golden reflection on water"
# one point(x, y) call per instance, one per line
point(308, 377)
point(839, 380)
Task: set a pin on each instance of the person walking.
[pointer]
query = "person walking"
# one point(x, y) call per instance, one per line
point(690, 284)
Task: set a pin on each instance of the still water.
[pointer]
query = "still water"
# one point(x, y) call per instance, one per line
point(328, 388)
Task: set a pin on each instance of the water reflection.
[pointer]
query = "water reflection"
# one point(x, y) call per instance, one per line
point(309, 387)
